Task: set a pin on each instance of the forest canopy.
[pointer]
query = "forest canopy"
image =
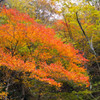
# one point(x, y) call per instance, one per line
point(42, 58)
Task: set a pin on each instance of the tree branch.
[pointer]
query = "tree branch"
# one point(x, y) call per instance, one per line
point(81, 26)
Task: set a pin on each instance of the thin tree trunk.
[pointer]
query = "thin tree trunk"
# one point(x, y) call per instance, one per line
point(7, 87)
point(39, 96)
point(23, 92)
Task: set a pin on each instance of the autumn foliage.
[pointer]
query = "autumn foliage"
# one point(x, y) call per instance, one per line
point(27, 46)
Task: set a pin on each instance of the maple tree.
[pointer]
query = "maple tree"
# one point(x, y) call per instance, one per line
point(26, 46)
point(29, 47)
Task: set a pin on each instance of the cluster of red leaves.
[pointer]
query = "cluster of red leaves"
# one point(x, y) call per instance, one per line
point(21, 30)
